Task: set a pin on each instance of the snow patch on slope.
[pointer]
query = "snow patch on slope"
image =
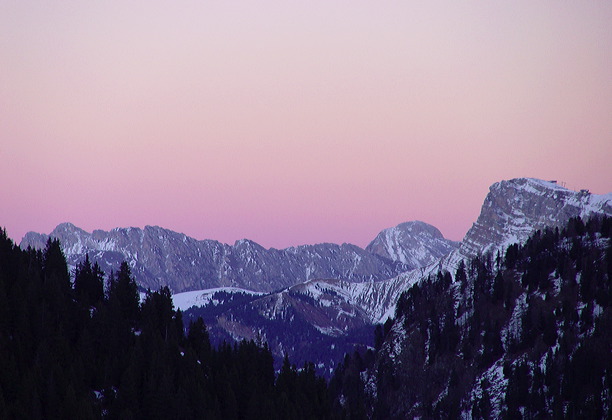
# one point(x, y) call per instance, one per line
point(186, 300)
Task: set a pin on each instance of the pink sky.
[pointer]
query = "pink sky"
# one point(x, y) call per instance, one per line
point(295, 122)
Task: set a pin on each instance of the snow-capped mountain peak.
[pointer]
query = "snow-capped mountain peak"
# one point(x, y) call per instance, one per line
point(415, 244)
point(516, 208)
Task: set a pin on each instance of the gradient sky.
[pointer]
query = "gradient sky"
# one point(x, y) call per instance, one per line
point(291, 122)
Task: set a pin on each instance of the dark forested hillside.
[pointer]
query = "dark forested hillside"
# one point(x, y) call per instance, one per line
point(291, 331)
point(525, 334)
point(79, 350)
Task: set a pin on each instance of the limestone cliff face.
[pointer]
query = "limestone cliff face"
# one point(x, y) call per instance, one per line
point(516, 208)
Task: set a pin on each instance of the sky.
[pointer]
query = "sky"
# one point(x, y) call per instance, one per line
point(291, 122)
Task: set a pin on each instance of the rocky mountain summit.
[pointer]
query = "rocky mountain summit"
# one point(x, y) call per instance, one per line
point(160, 257)
point(415, 244)
point(514, 209)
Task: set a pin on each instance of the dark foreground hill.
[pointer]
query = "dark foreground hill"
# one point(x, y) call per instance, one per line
point(519, 334)
point(77, 351)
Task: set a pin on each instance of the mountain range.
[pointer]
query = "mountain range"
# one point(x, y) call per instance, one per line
point(160, 257)
point(320, 301)
point(335, 312)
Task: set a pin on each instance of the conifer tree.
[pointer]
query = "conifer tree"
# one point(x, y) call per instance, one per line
point(89, 283)
point(123, 294)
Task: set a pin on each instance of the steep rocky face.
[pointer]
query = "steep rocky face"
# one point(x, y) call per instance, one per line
point(415, 244)
point(162, 257)
point(516, 208)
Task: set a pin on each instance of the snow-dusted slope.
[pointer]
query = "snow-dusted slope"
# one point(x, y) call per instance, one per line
point(415, 244)
point(367, 279)
point(526, 338)
point(186, 300)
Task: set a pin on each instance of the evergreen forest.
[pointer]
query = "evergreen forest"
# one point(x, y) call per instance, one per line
point(88, 349)
point(523, 334)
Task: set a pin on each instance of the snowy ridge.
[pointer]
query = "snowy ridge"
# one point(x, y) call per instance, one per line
point(186, 300)
point(349, 286)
